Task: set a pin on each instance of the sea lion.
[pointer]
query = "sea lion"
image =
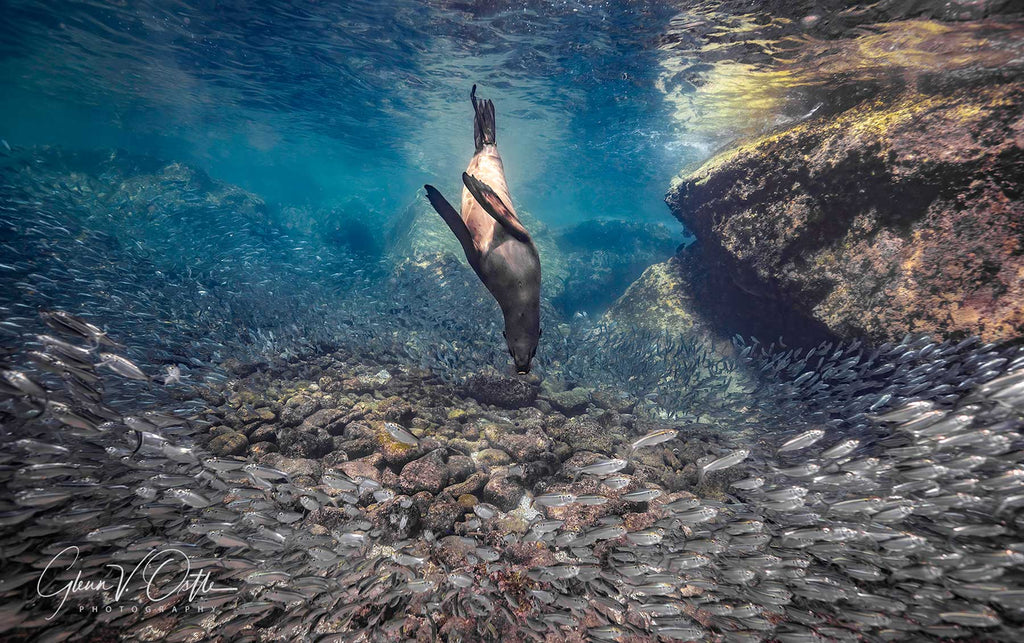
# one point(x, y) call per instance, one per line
point(497, 246)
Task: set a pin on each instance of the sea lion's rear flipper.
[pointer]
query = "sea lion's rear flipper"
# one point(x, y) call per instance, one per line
point(455, 222)
point(492, 203)
point(483, 121)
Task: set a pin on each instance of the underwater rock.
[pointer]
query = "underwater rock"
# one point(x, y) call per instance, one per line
point(263, 433)
point(524, 447)
point(429, 473)
point(493, 457)
point(395, 409)
point(661, 299)
point(900, 213)
point(471, 485)
point(327, 419)
point(368, 467)
point(394, 452)
point(502, 491)
point(305, 444)
point(460, 467)
point(345, 228)
point(396, 518)
point(604, 256)
point(613, 400)
point(452, 551)
point(295, 467)
point(442, 515)
point(506, 392)
point(299, 407)
point(571, 402)
point(229, 443)
point(583, 434)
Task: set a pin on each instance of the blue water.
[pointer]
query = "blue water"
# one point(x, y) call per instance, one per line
point(313, 103)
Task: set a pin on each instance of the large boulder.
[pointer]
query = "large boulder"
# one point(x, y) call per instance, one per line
point(604, 256)
point(903, 213)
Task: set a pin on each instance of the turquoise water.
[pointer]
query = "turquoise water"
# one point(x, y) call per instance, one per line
point(311, 103)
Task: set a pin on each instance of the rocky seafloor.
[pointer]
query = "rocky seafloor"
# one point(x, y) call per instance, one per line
point(336, 497)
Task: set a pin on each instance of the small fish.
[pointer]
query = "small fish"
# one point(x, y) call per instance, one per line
point(643, 495)
point(554, 500)
point(802, 441)
point(105, 534)
point(69, 324)
point(724, 462)
point(604, 467)
point(123, 367)
point(400, 435)
point(800, 471)
point(654, 438)
point(696, 516)
point(646, 537)
point(607, 533)
point(983, 617)
point(264, 472)
point(460, 580)
point(22, 382)
point(189, 497)
point(226, 539)
point(419, 586)
point(172, 375)
point(616, 482)
point(841, 449)
point(748, 484)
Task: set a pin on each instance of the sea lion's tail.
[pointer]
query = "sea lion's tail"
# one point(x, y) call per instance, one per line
point(483, 121)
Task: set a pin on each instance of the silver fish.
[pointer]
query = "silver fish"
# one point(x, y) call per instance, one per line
point(604, 467)
point(400, 435)
point(724, 462)
point(802, 441)
point(654, 437)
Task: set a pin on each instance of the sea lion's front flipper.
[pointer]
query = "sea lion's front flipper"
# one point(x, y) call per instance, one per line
point(491, 202)
point(457, 225)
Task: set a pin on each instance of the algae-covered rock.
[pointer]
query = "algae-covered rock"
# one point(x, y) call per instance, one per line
point(442, 516)
point(229, 443)
point(507, 392)
point(428, 473)
point(900, 214)
point(493, 457)
point(305, 444)
point(299, 407)
point(396, 519)
point(471, 485)
point(571, 402)
point(583, 434)
point(265, 433)
point(295, 467)
point(604, 256)
point(503, 491)
point(524, 447)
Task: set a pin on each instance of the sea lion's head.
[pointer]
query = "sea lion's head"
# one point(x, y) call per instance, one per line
point(522, 337)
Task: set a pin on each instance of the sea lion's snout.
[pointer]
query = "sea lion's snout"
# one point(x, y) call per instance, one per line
point(522, 350)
